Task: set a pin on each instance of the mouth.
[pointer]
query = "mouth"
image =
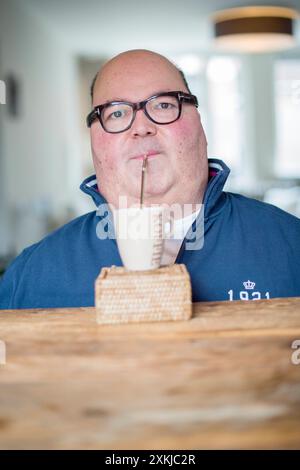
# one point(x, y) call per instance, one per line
point(150, 154)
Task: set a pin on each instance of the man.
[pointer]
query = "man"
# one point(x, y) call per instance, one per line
point(251, 250)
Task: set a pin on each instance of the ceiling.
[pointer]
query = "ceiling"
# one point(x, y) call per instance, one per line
point(97, 27)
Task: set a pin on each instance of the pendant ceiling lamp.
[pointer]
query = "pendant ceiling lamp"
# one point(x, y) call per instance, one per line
point(255, 28)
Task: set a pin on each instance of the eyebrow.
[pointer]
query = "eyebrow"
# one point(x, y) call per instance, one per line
point(114, 99)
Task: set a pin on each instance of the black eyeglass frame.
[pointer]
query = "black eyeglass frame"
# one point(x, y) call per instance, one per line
point(181, 96)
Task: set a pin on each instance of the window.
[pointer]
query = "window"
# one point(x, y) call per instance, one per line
point(225, 110)
point(216, 82)
point(287, 105)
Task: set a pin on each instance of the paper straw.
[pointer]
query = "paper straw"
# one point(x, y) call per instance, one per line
point(143, 180)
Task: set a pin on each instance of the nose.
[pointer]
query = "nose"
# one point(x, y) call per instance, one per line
point(142, 126)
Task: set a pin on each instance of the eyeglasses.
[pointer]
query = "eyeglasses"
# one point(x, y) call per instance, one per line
point(118, 116)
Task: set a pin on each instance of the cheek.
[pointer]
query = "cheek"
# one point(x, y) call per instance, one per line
point(104, 148)
point(101, 142)
point(188, 144)
point(185, 137)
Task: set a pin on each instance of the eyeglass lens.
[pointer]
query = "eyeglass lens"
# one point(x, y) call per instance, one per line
point(162, 109)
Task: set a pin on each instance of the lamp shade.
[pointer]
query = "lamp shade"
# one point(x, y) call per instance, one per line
point(255, 29)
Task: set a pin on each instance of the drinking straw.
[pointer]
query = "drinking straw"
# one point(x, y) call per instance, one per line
point(143, 180)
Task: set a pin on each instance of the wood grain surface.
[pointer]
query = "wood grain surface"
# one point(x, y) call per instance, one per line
point(223, 379)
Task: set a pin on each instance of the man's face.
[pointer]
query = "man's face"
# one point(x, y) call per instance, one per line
point(177, 159)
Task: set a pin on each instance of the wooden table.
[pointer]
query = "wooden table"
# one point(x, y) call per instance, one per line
point(224, 379)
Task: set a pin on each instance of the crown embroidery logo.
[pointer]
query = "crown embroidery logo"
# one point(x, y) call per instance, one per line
point(249, 285)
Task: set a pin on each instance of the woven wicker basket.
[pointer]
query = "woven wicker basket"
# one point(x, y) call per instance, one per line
point(163, 294)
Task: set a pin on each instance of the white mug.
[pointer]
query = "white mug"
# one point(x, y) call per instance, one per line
point(140, 236)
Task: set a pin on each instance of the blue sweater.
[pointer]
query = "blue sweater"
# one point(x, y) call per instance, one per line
point(251, 250)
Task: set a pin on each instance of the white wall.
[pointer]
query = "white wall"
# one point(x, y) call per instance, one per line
point(4, 248)
point(40, 148)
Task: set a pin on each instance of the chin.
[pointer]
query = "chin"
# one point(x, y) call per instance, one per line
point(156, 186)
point(157, 192)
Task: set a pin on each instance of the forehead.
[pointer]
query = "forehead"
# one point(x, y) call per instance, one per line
point(135, 77)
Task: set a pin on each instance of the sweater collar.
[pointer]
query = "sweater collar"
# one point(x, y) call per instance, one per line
point(213, 196)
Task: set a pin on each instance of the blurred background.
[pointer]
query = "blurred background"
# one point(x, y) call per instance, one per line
point(51, 49)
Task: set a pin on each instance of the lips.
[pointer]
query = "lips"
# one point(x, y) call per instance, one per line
point(149, 154)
